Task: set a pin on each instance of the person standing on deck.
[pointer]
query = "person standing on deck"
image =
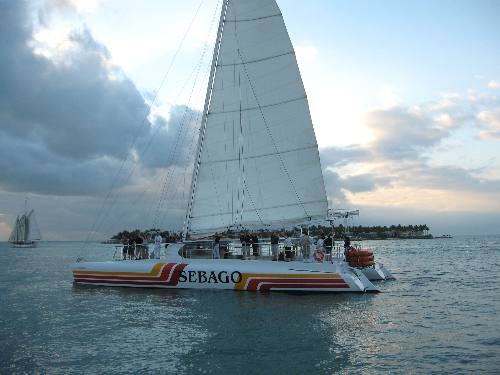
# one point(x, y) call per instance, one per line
point(328, 244)
point(288, 244)
point(347, 247)
point(255, 245)
point(305, 245)
point(245, 245)
point(320, 243)
point(216, 249)
point(157, 248)
point(275, 245)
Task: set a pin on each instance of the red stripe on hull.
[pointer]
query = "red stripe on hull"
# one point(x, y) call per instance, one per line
point(267, 287)
point(254, 283)
point(122, 282)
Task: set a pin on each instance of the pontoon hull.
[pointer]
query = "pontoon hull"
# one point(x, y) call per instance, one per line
point(377, 272)
point(243, 275)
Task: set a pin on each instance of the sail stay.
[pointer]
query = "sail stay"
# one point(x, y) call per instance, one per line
point(258, 163)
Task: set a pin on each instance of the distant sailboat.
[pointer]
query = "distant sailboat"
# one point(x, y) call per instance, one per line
point(25, 233)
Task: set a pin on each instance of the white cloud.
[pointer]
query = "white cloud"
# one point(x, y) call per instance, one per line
point(491, 120)
point(395, 167)
point(389, 97)
point(494, 84)
point(79, 6)
point(306, 54)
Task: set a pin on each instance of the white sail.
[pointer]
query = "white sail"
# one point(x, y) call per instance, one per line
point(258, 163)
point(22, 232)
point(14, 236)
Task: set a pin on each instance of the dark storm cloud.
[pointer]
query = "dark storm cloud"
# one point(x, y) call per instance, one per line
point(67, 125)
point(333, 187)
point(172, 142)
point(360, 183)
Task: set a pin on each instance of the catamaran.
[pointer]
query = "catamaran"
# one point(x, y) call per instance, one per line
point(25, 233)
point(257, 166)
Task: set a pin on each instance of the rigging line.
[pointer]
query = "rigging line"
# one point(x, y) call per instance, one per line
point(153, 182)
point(191, 150)
point(262, 209)
point(179, 140)
point(259, 155)
point(148, 111)
point(171, 158)
point(242, 159)
point(152, 103)
point(254, 19)
point(261, 59)
point(168, 179)
point(179, 130)
point(258, 107)
point(174, 150)
point(283, 166)
point(203, 124)
point(168, 176)
point(178, 187)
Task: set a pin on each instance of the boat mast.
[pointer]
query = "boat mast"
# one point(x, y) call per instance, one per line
point(203, 125)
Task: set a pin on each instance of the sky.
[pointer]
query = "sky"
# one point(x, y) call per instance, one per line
point(100, 103)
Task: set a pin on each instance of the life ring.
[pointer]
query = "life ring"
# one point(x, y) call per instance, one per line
point(318, 256)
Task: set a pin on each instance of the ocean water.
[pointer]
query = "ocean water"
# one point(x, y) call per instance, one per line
point(439, 316)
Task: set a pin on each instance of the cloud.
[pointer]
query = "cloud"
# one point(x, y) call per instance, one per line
point(395, 167)
point(341, 156)
point(494, 84)
point(403, 133)
point(336, 197)
point(491, 120)
point(306, 54)
point(363, 182)
point(68, 122)
point(5, 228)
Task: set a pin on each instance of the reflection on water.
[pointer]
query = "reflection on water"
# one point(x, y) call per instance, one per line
point(438, 316)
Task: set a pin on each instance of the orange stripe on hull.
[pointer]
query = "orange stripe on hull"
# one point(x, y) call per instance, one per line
point(154, 272)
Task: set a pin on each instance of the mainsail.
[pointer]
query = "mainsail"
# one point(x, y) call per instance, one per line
point(258, 163)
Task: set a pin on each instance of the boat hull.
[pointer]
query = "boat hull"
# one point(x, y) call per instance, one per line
point(239, 275)
point(377, 272)
point(28, 244)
